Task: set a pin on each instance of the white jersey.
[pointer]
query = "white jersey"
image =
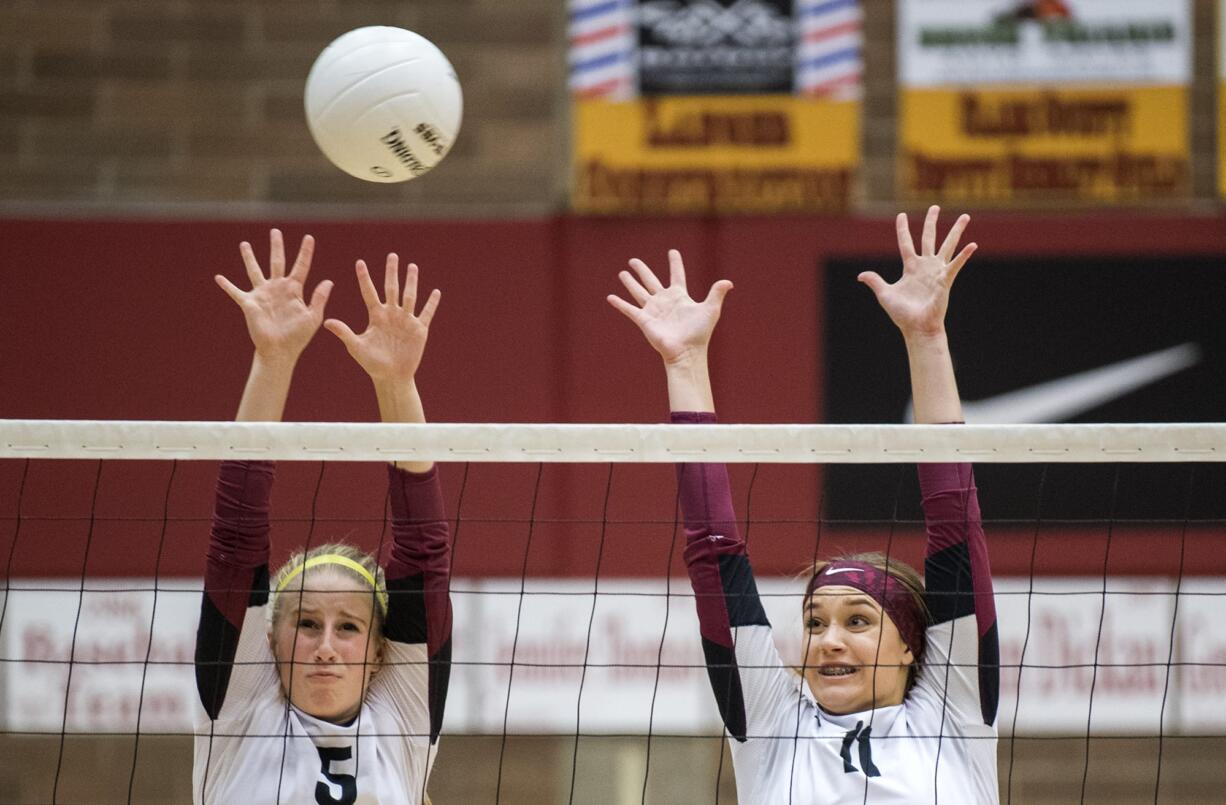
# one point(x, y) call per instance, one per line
point(251, 744)
point(932, 748)
point(261, 749)
point(938, 746)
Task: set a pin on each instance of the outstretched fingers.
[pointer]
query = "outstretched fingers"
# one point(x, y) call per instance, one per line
point(408, 299)
point(342, 331)
point(319, 298)
point(906, 246)
point(427, 310)
point(956, 264)
point(633, 286)
point(276, 254)
point(628, 310)
point(366, 286)
point(391, 279)
point(716, 295)
point(255, 274)
point(873, 280)
point(950, 245)
point(302, 263)
point(646, 276)
point(676, 269)
point(928, 240)
point(232, 290)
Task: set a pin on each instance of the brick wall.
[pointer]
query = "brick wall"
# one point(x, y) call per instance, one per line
point(136, 104)
point(123, 102)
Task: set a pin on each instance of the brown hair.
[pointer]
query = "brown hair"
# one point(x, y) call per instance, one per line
point(908, 576)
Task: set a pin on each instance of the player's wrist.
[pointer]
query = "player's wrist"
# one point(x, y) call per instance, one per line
point(398, 400)
point(689, 360)
point(927, 341)
point(275, 361)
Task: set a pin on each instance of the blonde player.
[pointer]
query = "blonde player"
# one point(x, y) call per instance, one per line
point(326, 685)
point(897, 699)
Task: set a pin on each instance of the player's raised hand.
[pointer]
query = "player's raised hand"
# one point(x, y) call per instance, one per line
point(917, 301)
point(391, 347)
point(279, 320)
point(675, 325)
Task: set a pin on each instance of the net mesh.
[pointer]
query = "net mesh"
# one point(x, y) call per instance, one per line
point(577, 674)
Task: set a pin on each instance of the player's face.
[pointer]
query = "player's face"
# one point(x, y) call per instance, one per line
point(855, 659)
point(324, 645)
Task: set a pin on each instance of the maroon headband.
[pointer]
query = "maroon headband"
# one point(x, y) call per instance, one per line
point(894, 597)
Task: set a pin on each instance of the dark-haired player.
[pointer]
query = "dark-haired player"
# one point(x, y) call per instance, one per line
point(897, 699)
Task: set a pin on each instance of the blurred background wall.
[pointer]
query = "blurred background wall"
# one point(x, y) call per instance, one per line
point(140, 140)
point(195, 107)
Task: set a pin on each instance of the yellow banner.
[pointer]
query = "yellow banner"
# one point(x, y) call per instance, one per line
point(1002, 145)
point(715, 153)
point(1221, 98)
point(1221, 135)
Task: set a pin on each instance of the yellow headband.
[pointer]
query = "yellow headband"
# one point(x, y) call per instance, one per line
point(343, 561)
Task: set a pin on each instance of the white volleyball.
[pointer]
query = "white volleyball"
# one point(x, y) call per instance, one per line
point(383, 104)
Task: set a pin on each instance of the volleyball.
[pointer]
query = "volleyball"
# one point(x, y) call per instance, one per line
point(383, 104)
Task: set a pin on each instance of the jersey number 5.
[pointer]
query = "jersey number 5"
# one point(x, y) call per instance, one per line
point(347, 783)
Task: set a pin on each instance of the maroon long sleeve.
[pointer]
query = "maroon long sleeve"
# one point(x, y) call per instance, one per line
point(235, 574)
point(724, 590)
point(957, 574)
point(419, 577)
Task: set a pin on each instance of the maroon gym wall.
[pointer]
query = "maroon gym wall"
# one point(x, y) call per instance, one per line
point(121, 320)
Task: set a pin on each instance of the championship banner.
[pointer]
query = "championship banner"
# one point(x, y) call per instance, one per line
point(1044, 100)
point(704, 106)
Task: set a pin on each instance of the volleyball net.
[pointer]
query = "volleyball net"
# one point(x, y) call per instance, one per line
point(577, 672)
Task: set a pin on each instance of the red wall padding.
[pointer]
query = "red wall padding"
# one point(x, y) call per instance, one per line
point(122, 320)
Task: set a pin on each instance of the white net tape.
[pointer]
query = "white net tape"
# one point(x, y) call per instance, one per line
point(795, 444)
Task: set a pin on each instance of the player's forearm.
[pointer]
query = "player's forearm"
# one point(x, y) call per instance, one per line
point(934, 388)
point(401, 402)
point(958, 576)
point(420, 565)
point(238, 540)
point(266, 390)
point(689, 384)
point(705, 494)
point(239, 536)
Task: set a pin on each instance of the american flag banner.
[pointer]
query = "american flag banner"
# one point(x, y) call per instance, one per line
point(829, 57)
point(603, 48)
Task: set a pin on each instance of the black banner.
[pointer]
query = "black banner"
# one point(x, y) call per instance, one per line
point(703, 47)
point(1149, 331)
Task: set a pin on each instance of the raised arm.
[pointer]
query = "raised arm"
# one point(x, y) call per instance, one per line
point(916, 303)
point(280, 324)
point(676, 327)
point(390, 351)
point(680, 329)
point(963, 666)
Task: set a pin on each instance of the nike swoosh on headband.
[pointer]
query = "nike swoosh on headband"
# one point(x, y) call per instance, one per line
point(1066, 397)
point(842, 570)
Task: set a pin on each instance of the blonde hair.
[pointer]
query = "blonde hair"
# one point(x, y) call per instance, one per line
point(292, 577)
point(908, 576)
point(289, 573)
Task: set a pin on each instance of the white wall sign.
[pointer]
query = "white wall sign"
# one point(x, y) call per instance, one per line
point(959, 42)
point(643, 661)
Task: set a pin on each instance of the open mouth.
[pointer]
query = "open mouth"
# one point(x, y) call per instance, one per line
point(836, 670)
